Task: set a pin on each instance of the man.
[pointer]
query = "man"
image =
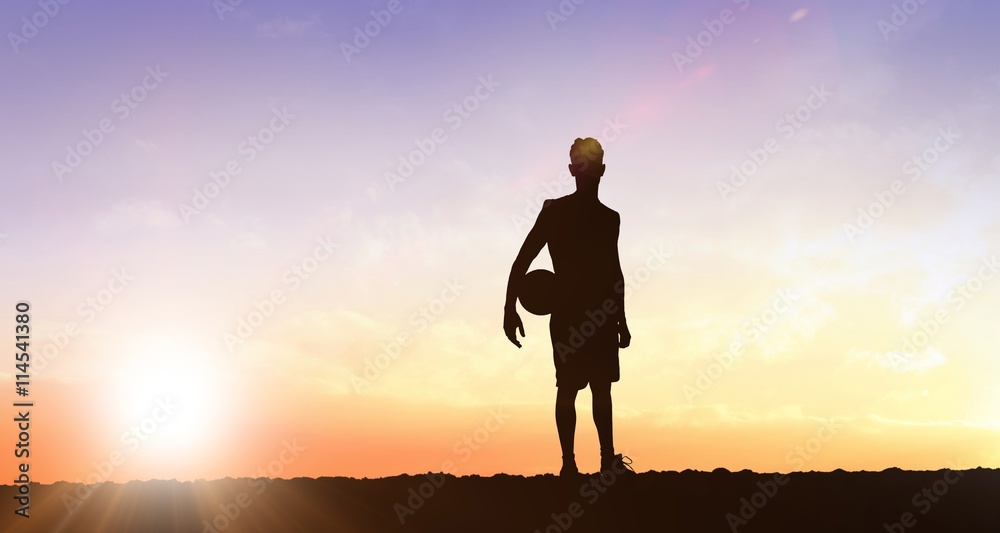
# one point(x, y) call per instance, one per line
point(588, 318)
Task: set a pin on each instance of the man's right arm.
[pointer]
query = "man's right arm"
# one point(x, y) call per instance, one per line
point(533, 244)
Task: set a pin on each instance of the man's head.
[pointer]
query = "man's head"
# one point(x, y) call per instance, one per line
point(586, 162)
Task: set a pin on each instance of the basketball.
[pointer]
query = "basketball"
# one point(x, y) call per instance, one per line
point(538, 292)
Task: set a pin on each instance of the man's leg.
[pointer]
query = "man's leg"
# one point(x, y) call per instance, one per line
point(566, 422)
point(602, 418)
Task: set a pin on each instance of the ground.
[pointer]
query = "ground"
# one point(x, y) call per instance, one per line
point(889, 501)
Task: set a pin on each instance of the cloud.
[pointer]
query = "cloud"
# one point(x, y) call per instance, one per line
point(799, 15)
point(138, 214)
point(249, 241)
point(921, 361)
point(285, 27)
point(147, 146)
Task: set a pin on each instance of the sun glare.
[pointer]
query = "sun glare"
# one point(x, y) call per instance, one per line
point(167, 398)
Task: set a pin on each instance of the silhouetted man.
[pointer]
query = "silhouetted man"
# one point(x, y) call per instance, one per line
point(588, 318)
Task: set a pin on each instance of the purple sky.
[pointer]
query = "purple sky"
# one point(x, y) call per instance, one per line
point(838, 96)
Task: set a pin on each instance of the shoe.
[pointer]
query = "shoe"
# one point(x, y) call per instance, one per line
point(569, 470)
point(619, 464)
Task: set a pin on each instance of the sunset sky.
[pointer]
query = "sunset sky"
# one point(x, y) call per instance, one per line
point(241, 263)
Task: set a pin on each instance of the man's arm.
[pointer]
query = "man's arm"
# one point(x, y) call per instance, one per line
point(533, 244)
point(624, 336)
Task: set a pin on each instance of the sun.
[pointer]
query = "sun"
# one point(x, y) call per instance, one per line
point(168, 399)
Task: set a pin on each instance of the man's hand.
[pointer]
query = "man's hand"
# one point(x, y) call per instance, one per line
point(511, 325)
point(624, 337)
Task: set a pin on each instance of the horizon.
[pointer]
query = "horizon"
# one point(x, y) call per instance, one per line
point(263, 233)
point(422, 475)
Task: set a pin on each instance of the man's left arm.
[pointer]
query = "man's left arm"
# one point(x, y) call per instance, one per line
point(624, 336)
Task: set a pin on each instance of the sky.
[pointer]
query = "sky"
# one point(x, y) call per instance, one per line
point(273, 238)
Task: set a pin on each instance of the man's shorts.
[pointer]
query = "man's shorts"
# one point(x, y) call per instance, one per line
point(584, 348)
